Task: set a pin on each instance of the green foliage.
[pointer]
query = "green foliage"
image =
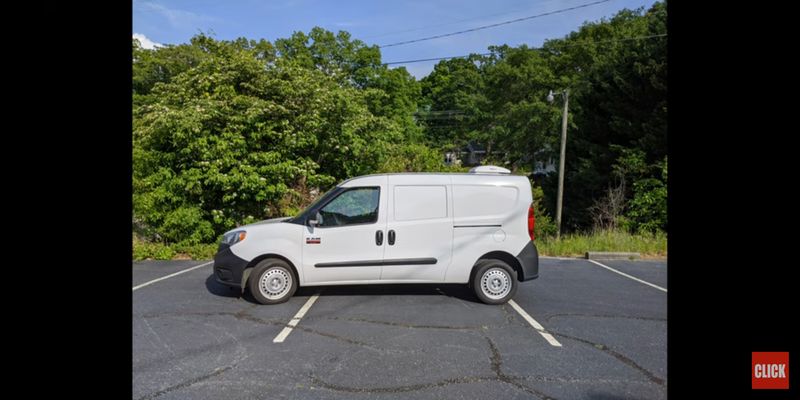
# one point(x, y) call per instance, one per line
point(230, 132)
point(544, 226)
point(143, 250)
point(617, 106)
point(576, 245)
point(412, 157)
point(151, 251)
point(196, 251)
point(186, 225)
point(648, 209)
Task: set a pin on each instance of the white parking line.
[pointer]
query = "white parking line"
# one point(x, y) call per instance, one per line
point(628, 276)
point(539, 328)
point(296, 319)
point(170, 275)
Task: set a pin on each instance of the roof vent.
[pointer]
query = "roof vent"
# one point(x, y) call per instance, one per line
point(489, 169)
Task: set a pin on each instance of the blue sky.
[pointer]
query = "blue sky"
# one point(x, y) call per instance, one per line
point(374, 22)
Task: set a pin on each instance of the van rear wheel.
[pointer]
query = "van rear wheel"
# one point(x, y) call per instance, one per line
point(495, 282)
point(272, 281)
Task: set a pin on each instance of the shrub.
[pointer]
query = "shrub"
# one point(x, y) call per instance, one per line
point(647, 211)
point(151, 251)
point(544, 225)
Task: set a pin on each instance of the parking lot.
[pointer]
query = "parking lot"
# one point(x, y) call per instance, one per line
point(581, 330)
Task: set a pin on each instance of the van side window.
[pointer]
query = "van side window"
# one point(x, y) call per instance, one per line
point(355, 206)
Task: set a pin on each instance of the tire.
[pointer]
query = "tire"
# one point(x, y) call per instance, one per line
point(272, 281)
point(495, 282)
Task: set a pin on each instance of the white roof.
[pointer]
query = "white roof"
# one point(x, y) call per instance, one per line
point(489, 169)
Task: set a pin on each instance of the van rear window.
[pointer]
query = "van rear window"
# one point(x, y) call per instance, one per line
point(419, 202)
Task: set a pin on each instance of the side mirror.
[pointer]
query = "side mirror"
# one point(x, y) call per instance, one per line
point(316, 221)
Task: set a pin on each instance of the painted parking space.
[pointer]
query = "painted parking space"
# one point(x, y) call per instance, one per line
point(653, 271)
point(600, 311)
point(196, 339)
point(146, 271)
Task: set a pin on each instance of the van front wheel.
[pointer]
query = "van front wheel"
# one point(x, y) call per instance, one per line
point(272, 281)
point(495, 282)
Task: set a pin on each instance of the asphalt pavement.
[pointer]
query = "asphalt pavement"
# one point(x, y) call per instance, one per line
point(193, 338)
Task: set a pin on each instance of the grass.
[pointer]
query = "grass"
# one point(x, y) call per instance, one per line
point(143, 250)
point(576, 245)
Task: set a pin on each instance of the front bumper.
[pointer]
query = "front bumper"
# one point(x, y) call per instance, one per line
point(228, 268)
point(529, 260)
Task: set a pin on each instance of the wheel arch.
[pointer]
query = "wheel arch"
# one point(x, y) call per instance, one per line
point(506, 257)
point(249, 268)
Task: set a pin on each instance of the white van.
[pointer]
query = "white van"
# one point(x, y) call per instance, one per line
point(474, 228)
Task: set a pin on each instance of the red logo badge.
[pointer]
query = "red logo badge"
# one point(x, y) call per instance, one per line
point(770, 370)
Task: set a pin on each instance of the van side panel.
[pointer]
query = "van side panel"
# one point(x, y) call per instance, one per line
point(490, 214)
point(421, 225)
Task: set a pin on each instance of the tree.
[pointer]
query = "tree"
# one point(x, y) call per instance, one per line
point(618, 101)
point(239, 137)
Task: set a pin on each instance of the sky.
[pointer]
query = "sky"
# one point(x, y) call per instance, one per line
point(373, 21)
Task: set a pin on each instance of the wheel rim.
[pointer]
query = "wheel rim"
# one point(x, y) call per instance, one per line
point(495, 283)
point(275, 283)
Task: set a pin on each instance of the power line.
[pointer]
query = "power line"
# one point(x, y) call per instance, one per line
point(493, 25)
point(451, 23)
point(532, 48)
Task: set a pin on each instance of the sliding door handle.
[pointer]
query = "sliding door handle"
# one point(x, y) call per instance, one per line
point(391, 237)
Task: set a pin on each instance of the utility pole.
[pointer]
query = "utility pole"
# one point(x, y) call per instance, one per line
point(560, 199)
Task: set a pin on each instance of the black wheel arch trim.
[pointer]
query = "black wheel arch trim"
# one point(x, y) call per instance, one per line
point(526, 263)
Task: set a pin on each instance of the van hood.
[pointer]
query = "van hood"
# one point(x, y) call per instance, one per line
point(267, 221)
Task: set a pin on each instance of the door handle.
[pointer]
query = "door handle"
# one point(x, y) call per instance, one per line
point(379, 238)
point(391, 237)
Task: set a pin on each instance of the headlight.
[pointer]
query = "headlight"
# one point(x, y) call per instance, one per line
point(234, 237)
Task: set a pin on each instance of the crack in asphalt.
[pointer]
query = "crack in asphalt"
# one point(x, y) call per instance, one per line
point(244, 315)
point(337, 337)
point(497, 364)
point(187, 383)
point(540, 378)
point(495, 356)
point(495, 359)
point(599, 346)
point(510, 318)
point(404, 325)
point(400, 389)
point(547, 318)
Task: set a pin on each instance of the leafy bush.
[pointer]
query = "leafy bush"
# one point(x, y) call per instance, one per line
point(186, 225)
point(241, 135)
point(151, 251)
point(143, 250)
point(544, 225)
point(647, 211)
point(197, 251)
point(412, 157)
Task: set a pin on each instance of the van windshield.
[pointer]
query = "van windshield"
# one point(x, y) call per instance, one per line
point(322, 199)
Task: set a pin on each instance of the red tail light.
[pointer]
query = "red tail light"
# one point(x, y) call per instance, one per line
point(531, 221)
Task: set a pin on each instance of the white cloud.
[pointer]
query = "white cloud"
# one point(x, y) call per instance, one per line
point(146, 43)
